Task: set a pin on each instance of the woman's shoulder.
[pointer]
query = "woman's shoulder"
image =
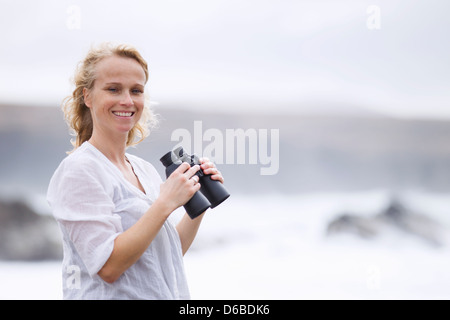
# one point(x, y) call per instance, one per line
point(81, 168)
point(82, 160)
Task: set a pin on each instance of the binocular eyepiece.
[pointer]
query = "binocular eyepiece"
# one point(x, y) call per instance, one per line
point(211, 193)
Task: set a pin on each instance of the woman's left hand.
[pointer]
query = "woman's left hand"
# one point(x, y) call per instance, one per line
point(209, 168)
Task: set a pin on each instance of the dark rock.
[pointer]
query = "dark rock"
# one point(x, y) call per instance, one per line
point(348, 223)
point(412, 223)
point(395, 216)
point(26, 235)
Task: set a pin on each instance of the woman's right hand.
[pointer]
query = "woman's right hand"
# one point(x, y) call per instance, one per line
point(181, 185)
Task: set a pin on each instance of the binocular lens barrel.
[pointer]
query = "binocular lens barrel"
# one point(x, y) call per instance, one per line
point(212, 192)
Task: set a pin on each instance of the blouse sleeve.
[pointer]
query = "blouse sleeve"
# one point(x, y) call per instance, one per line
point(84, 207)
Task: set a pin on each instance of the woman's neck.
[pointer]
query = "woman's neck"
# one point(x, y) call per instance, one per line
point(113, 149)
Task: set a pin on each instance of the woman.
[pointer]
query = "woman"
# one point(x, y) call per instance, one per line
point(112, 207)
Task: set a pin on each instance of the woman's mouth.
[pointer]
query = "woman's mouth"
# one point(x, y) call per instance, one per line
point(123, 114)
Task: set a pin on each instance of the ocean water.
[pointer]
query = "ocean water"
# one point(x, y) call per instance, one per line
point(276, 247)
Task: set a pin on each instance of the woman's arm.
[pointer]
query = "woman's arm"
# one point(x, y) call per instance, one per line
point(131, 244)
point(187, 228)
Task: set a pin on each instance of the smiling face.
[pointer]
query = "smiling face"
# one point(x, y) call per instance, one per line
point(116, 99)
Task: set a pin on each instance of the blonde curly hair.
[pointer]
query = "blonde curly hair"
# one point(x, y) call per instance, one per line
point(78, 115)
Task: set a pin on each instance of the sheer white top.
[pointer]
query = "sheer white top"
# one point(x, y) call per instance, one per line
point(93, 203)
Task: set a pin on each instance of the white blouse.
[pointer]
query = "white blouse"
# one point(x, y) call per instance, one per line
point(93, 203)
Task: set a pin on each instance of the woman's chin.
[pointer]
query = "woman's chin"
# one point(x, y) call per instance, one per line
point(122, 131)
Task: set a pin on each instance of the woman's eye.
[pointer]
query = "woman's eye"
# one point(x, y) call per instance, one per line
point(137, 91)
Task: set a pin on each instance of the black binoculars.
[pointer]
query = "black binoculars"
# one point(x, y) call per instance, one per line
point(211, 193)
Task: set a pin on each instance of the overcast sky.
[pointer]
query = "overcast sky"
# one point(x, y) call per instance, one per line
point(249, 54)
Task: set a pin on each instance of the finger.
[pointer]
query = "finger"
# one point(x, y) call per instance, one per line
point(211, 170)
point(204, 159)
point(207, 165)
point(218, 177)
point(189, 173)
point(195, 179)
point(197, 187)
point(183, 167)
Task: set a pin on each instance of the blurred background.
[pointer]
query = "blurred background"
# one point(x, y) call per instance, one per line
point(359, 207)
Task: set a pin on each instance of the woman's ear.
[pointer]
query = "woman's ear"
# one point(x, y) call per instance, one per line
point(86, 97)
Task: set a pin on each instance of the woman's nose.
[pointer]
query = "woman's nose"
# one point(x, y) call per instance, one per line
point(127, 100)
